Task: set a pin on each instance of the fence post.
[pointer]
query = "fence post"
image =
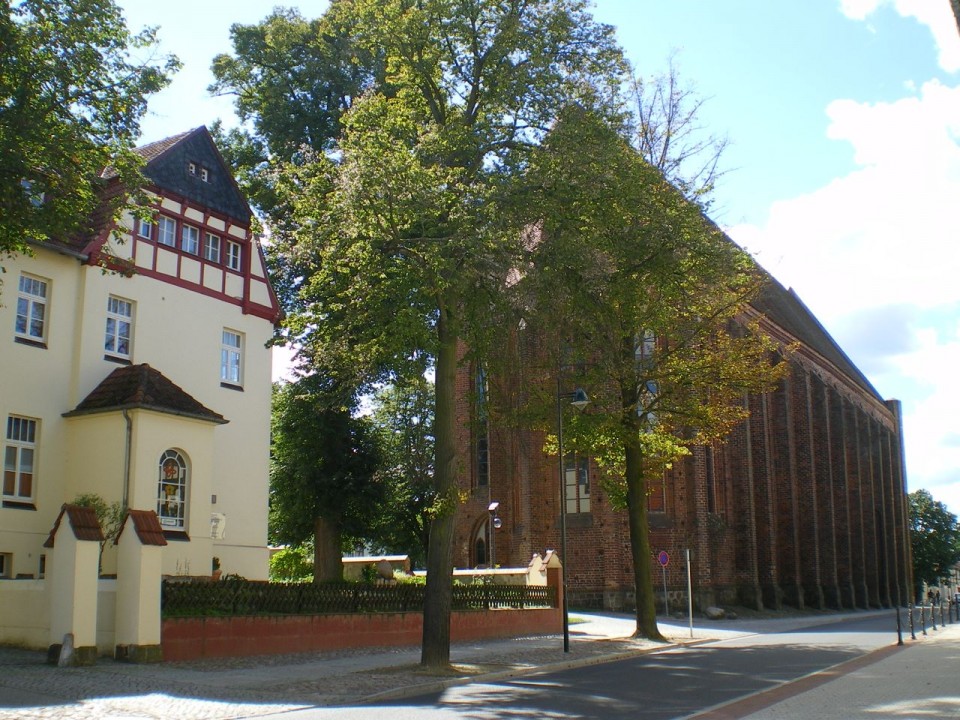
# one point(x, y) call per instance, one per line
point(913, 635)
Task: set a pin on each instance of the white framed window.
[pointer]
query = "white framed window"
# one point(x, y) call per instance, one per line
point(204, 174)
point(167, 231)
point(145, 229)
point(231, 358)
point(119, 330)
point(233, 255)
point(19, 453)
point(190, 239)
point(576, 473)
point(192, 168)
point(172, 490)
point(31, 320)
point(211, 247)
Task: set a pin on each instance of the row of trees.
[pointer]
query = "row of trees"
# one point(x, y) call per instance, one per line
point(441, 176)
point(934, 540)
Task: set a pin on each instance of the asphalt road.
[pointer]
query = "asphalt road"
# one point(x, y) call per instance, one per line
point(666, 685)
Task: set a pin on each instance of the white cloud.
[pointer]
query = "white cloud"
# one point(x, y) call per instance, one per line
point(882, 242)
point(935, 14)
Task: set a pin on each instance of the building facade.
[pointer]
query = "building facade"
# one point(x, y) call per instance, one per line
point(803, 505)
point(134, 367)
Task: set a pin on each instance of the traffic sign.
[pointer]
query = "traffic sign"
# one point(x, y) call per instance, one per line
point(663, 558)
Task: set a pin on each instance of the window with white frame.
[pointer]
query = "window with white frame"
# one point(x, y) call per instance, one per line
point(576, 472)
point(19, 454)
point(31, 322)
point(190, 239)
point(145, 228)
point(233, 255)
point(231, 355)
point(172, 491)
point(167, 231)
point(119, 331)
point(211, 247)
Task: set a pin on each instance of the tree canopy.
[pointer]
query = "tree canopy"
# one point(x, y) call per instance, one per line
point(645, 302)
point(934, 537)
point(398, 239)
point(73, 87)
point(323, 473)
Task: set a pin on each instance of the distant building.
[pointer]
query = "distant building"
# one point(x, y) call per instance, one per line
point(804, 505)
point(148, 384)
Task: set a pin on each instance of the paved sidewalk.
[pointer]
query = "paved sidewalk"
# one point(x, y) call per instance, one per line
point(915, 680)
point(252, 687)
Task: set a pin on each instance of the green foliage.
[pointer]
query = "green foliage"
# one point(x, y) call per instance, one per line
point(323, 467)
point(110, 516)
point(402, 415)
point(292, 564)
point(644, 299)
point(934, 537)
point(73, 88)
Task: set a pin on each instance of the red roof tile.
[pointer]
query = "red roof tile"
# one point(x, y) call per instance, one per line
point(142, 387)
point(147, 526)
point(83, 521)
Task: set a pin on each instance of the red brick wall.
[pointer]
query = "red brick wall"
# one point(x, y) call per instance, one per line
point(196, 638)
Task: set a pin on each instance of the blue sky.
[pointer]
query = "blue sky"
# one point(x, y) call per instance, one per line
point(844, 119)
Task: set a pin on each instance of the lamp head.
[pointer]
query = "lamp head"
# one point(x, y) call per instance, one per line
point(493, 507)
point(580, 399)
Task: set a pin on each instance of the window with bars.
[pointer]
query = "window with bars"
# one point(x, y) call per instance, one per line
point(119, 330)
point(31, 322)
point(19, 454)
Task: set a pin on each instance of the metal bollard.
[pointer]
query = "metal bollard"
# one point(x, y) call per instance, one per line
point(923, 618)
point(933, 617)
point(913, 634)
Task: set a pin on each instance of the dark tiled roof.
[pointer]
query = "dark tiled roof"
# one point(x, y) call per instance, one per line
point(785, 308)
point(150, 151)
point(83, 521)
point(142, 387)
point(147, 526)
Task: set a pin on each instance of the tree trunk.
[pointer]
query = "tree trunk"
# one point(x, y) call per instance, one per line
point(640, 536)
point(327, 556)
point(435, 649)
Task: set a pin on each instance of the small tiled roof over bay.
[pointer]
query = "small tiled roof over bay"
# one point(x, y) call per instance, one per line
point(82, 520)
point(142, 387)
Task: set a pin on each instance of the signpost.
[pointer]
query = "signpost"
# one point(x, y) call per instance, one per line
point(664, 559)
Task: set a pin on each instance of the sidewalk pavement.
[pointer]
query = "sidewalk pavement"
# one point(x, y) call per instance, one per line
point(256, 686)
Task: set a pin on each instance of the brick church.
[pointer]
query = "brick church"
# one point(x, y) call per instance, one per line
point(804, 505)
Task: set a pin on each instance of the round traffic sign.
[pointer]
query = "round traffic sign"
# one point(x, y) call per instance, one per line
point(663, 558)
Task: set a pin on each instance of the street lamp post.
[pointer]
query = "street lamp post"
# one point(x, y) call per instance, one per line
point(495, 524)
point(578, 398)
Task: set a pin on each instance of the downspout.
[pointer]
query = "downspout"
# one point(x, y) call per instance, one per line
point(126, 459)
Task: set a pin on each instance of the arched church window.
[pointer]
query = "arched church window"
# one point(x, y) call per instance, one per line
point(172, 490)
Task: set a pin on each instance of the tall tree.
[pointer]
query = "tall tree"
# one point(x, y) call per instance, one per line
point(934, 538)
point(323, 473)
point(668, 131)
point(72, 92)
point(647, 301)
point(403, 418)
point(404, 227)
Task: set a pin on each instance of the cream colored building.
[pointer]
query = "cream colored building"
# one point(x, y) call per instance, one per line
point(149, 384)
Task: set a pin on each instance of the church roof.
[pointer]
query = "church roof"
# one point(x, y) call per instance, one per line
point(784, 307)
point(142, 387)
